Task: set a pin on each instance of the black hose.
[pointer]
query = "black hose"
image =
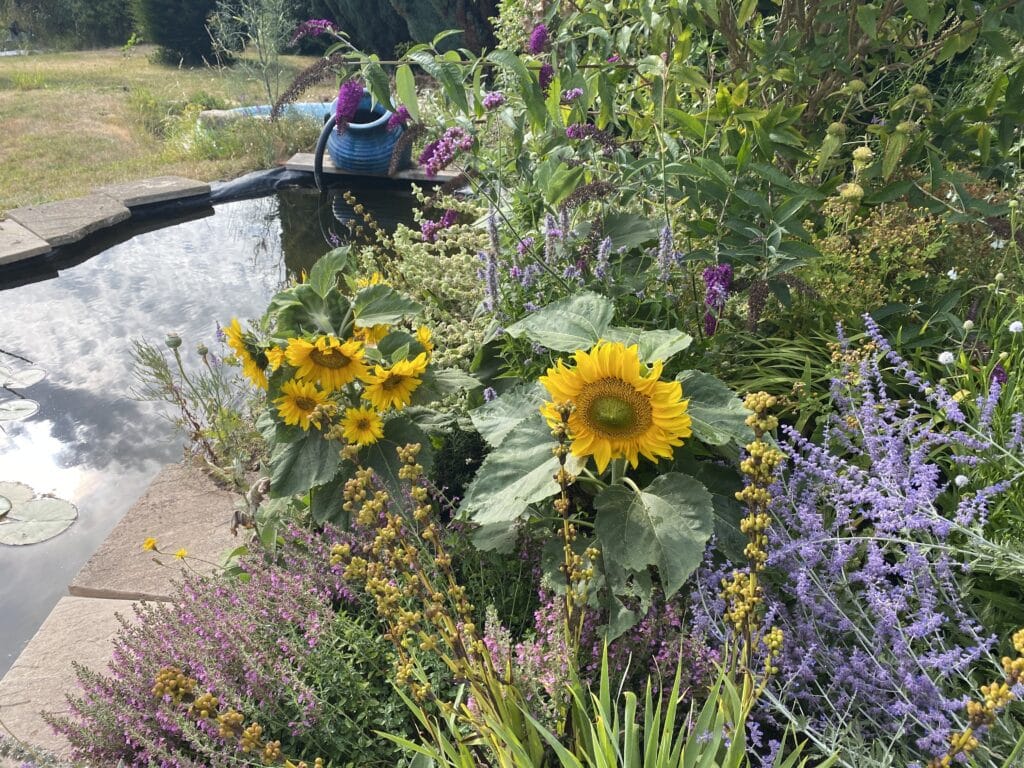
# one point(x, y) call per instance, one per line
point(318, 154)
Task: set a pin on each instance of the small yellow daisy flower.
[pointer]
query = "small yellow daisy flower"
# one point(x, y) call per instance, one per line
point(149, 544)
point(362, 426)
point(181, 554)
point(298, 403)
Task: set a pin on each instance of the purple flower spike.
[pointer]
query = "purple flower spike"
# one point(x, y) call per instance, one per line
point(717, 280)
point(493, 100)
point(538, 39)
point(312, 28)
point(547, 74)
point(571, 95)
point(439, 154)
point(349, 96)
point(400, 117)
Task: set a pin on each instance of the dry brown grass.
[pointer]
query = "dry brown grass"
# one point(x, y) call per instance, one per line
point(72, 121)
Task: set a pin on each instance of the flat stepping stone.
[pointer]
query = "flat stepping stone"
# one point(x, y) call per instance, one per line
point(77, 629)
point(182, 509)
point(17, 243)
point(156, 190)
point(68, 221)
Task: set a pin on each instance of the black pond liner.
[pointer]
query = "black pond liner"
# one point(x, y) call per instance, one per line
point(147, 218)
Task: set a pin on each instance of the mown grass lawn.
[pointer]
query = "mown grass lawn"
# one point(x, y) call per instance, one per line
point(72, 121)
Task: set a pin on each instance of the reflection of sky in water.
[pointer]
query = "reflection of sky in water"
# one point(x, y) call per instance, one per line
point(91, 443)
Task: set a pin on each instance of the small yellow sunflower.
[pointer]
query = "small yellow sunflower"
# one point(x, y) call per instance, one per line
point(327, 360)
point(425, 338)
point(362, 426)
point(275, 356)
point(621, 409)
point(251, 367)
point(393, 388)
point(370, 336)
point(298, 403)
point(375, 279)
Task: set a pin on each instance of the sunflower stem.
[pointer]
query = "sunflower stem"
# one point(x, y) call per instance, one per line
point(618, 467)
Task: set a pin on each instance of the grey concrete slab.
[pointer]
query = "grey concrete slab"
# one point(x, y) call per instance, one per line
point(303, 161)
point(17, 243)
point(68, 221)
point(182, 509)
point(78, 629)
point(156, 190)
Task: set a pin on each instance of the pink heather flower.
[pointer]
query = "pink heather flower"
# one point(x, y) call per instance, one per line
point(538, 39)
point(312, 28)
point(349, 96)
point(571, 95)
point(494, 99)
point(400, 117)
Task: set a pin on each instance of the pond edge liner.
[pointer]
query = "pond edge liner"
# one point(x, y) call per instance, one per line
point(147, 218)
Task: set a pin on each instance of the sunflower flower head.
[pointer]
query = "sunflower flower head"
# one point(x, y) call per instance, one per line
point(300, 403)
point(252, 359)
point(621, 408)
point(425, 338)
point(393, 387)
point(362, 426)
point(372, 335)
point(275, 357)
point(327, 361)
point(375, 279)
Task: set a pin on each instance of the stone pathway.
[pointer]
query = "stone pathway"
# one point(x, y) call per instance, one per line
point(37, 229)
point(182, 509)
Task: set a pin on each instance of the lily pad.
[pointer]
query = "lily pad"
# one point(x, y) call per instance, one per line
point(16, 493)
point(18, 409)
point(21, 379)
point(36, 520)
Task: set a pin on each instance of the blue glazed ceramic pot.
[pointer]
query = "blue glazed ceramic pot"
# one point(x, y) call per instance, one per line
point(366, 144)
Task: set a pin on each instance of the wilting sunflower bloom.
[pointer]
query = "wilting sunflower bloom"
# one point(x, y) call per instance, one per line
point(298, 403)
point(425, 338)
point(362, 426)
point(275, 356)
point(251, 366)
point(372, 334)
point(622, 410)
point(393, 388)
point(327, 360)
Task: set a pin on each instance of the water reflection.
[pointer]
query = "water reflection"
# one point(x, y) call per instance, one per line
point(91, 443)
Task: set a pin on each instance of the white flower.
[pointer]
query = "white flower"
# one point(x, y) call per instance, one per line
point(1016, 326)
point(952, 274)
point(946, 358)
point(960, 481)
point(968, 325)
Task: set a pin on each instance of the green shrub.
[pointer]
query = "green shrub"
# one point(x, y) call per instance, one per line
point(74, 23)
point(178, 27)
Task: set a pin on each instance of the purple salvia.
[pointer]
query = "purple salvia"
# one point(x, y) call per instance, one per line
point(603, 258)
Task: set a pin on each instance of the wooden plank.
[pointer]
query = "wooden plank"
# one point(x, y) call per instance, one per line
point(303, 161)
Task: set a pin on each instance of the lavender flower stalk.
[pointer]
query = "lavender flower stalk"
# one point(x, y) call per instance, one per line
point(717, 281)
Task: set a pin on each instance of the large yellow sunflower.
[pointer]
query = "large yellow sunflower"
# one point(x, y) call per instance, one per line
point(370, 336)
point(621, 409)
point(298, 403)
point(387, 388)
point(327, 360)
point(250, 364)
point(362, 426)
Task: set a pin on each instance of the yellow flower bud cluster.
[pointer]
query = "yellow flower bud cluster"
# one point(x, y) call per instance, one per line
point(204, 707)
point(171, 681)
point(982, 712)
point(772, 642)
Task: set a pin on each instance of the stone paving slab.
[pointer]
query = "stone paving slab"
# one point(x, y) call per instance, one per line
point(68, 221)
point(78, 629)
point(182, 509)
point(17, 243)
point(156, 190)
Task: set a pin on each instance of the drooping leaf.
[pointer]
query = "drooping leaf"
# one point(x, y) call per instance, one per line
point(666, 525)
point(297, 466)
point(382, 305)
point(18, 409)
point(35, 520)
point(717, 414)
point(405, 87)
point(630, 230)
point(569, 324)
point(326, 502)
point(301, 310)
point(494, 420)
point(443, 381)
point(651, 345)
point(324, 274)
point(377, 79)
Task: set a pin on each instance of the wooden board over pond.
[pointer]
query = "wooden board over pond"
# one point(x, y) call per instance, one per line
point(303, 161)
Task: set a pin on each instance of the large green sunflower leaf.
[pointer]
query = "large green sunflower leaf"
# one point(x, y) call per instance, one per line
point(666, 525)
point(382, 456)
point(651, 345)
point(297, 466)
point(569, 324)
point(301, 310)
point(35, 520)
point(718, 414)
point(324, 274)
point(518, 473)
point(382, 305)
point(494, 420)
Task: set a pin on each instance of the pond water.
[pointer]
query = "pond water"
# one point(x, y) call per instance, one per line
point(90, 442)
